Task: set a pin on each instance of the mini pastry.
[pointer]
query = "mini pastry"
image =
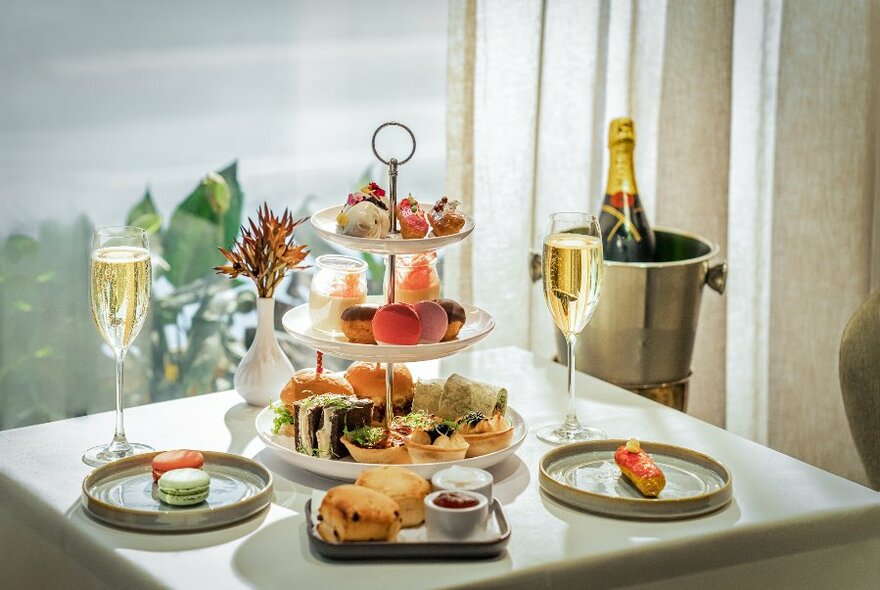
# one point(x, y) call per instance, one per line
point(403, 486)
point(355, 513)
point(169, 460)
point(485, 435)
point(366, 214)
point(357, 323)
point(375, 444)
point(397, 323)
point(434, 321)
point(456, 316)
point(413, 224)
point(306, 382)
point(368, 381)
point(440, 443)
point(184, 487)
point(640, 469)
point(445, 219)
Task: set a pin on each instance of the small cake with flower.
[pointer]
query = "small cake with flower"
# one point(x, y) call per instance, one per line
point(366, 214)
point(413, 225)
point(445, 218)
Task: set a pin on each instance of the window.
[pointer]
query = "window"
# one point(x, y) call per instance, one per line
point(105, 100)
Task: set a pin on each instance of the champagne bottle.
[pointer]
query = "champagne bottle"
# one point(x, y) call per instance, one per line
point(626, 234)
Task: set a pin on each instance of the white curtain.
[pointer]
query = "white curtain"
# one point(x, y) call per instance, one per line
point(757, 126)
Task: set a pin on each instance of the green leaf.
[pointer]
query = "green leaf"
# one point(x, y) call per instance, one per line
point(232, 216)
point(145, 215)
point(201, 223)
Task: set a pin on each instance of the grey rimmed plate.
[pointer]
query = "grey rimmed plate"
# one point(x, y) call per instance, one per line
point(123, 494)
point(584, 475)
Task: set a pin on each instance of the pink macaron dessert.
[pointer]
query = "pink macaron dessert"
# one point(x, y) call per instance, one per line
point(434, 321)
point(397, 323)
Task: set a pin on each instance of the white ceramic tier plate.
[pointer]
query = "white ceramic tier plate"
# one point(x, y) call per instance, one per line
point(122, 493)
point(348, 470)
point(477, 326)
point(584, 475)
point(324, 222)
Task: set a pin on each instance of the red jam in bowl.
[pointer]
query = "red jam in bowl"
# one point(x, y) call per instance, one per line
point(455, 500)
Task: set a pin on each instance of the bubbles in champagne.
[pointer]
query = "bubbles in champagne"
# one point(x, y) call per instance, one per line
point(572, 278)
point(119, 285)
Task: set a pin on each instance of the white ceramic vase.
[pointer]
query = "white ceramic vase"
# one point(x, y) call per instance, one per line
point(265, 369)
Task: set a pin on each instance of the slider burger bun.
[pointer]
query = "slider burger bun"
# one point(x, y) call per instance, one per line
point(306, 382)
point(405, 487)
point(368, 381)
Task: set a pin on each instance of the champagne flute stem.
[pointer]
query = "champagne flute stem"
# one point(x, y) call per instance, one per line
point(571, 423)
point(120, 443)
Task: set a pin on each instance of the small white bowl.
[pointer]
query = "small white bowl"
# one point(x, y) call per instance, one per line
point(455, 523)
point(464, 478)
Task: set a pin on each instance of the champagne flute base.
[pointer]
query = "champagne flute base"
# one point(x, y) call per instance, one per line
point(101, 455)
point(558, 434)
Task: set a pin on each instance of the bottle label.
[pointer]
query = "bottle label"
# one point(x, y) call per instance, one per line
point(620, 220)
point(617, 200)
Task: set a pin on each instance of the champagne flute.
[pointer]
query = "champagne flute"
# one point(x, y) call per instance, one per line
point(120, 279)
point(573, 268)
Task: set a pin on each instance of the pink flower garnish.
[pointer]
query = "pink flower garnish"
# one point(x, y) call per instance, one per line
point(354, 198)
point(376, 190)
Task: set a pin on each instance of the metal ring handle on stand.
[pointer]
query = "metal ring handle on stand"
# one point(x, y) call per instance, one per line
point(411, 136)
point(392, 164)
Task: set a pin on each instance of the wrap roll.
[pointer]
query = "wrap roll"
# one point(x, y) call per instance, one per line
point(456, 396)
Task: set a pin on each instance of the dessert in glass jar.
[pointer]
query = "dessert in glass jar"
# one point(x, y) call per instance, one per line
point(339, 283)
point(416, 278)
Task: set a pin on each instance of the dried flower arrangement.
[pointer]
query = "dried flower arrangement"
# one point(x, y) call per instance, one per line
point(266, 251)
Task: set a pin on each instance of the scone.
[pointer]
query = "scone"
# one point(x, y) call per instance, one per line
point(403, 486)
point(356, 513)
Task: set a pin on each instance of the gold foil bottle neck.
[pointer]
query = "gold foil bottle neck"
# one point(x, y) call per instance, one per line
point(621, 144)
point(621, 131)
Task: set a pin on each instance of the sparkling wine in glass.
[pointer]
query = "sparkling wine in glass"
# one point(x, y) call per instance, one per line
point(120, 279)
point(573, 268)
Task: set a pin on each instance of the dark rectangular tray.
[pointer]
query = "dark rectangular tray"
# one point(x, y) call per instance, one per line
point(411, 549)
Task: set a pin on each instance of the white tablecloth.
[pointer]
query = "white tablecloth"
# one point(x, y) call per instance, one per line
point(789, 524)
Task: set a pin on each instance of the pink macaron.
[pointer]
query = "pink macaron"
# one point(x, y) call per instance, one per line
point(434, 321)
point(397, 323)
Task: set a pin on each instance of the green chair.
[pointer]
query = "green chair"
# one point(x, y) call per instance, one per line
point(860, 383)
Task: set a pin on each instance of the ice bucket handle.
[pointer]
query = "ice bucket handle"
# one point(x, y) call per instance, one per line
point(716, 277)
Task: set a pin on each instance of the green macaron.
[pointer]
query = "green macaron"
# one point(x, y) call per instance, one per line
point(184, 487)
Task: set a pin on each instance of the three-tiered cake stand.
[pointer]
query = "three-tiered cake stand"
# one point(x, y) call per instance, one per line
point(478, 325)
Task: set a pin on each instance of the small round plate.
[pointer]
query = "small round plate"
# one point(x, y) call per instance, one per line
point(584, 475)
point(477, 326)
point(348, 470)
point(123, 494)
point(324, 222)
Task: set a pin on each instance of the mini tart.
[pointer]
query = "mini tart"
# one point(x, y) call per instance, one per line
point(433, 453)
point(488, 442)
point(487, 436)
point(393, 455)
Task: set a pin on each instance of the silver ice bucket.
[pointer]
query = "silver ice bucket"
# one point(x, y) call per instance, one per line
point(642, 334)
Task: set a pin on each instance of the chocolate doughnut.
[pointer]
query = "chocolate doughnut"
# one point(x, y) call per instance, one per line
point(456, 315)
point(357, 323)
